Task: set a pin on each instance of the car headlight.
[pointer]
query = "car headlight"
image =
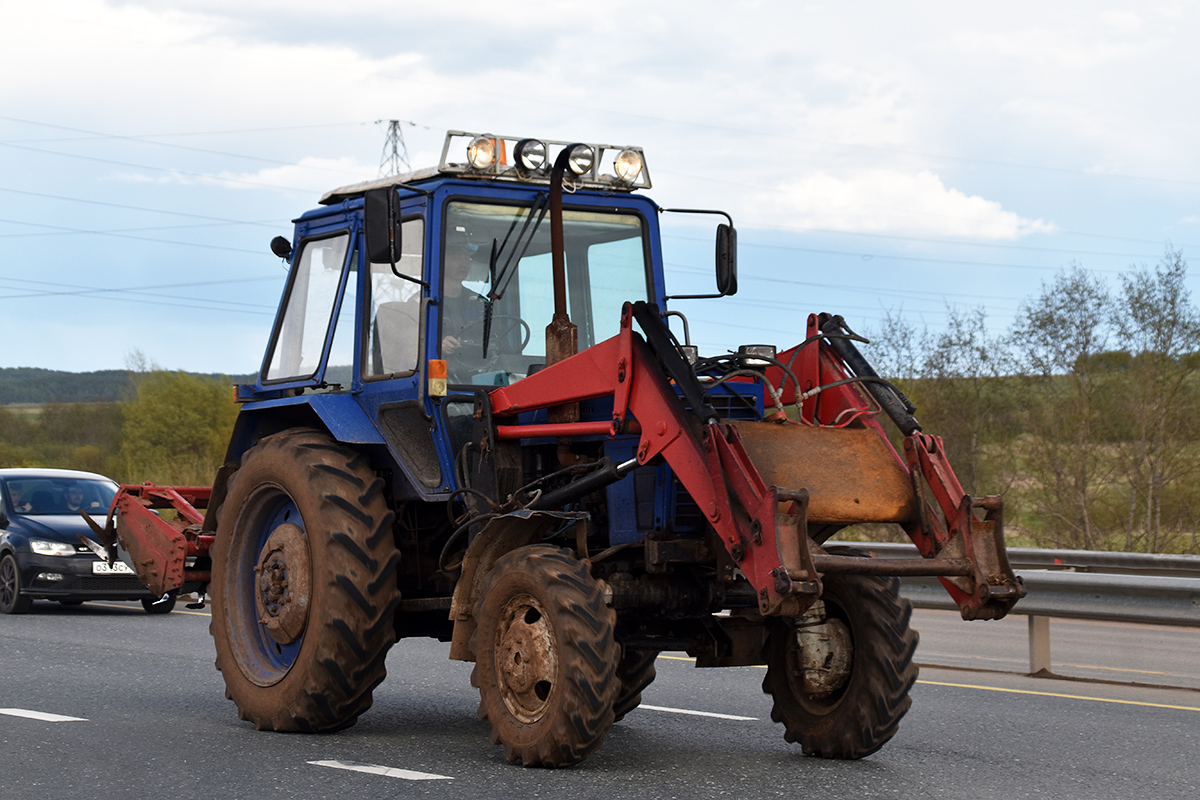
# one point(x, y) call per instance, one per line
point(46, 548)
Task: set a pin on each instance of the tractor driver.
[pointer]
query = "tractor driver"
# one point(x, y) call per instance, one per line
point(462, 308)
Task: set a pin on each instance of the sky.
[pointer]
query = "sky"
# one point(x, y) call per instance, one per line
point(877, 158)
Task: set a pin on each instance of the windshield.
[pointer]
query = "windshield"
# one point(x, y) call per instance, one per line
point(36, 496)
point(499, 255)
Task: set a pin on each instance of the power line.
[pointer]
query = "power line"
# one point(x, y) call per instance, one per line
point(108, 204)
point(117, 235)
point(77, 291)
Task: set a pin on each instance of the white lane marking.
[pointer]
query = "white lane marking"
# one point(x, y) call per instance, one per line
point(44, 717)
point(698, 713)
point(391, 772)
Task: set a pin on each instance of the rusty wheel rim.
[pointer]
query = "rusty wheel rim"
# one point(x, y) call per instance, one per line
point(284, 575)
point(526, 658)
point(821, 704)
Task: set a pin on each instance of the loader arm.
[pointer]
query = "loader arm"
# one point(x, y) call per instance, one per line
point(708, 459)
point(764, 527)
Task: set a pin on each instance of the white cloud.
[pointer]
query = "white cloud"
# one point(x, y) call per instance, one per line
point(1038, 45)
point(311, 174)
point(1123, 21)
point(885, 201)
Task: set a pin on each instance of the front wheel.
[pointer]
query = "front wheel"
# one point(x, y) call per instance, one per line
point(11, 599)
point(163, 605)
point(852, 708)
point(545, 657)
point(303, 584)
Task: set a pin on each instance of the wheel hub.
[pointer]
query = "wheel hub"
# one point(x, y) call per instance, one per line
point(526, 658)
point(284, 584)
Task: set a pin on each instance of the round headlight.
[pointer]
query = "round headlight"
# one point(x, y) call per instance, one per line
point(628, 165)
point(530, 154)
point(481, 152)
point(581, 159)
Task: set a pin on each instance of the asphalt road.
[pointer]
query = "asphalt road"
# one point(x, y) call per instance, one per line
point(151, 721)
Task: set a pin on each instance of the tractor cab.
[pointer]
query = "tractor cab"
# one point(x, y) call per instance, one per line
point(409, 296)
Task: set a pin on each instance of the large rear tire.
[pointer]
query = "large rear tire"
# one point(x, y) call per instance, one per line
point(304, 584)
point(545, 657)
point(860, 715)
point(635, 672)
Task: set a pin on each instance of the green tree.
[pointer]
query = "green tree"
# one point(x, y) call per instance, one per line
point(1054, 337)
point(1159, 325)
point(963, 396)
point(176, 429)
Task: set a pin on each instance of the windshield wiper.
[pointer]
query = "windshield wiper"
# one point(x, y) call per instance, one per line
point(501, 279)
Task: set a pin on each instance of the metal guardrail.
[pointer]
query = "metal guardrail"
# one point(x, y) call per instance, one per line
point(1077, 584)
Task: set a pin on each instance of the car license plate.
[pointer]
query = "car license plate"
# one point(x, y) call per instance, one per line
point(102, 568)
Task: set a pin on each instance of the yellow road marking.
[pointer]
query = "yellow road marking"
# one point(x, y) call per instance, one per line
point(1022, 691)
point(1118, 669)
point(1056, 694)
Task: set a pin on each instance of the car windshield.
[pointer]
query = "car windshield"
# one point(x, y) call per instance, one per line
point(38, 496)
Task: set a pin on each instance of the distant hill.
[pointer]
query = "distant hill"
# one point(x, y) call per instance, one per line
point(35, 385)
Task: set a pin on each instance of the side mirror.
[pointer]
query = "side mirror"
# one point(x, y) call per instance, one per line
point(381, 213)
point(726, 259)
point(282, 248)
point(3, 519)
point(726, 255)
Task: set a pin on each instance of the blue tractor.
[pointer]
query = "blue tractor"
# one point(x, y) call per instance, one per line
point(473, 422)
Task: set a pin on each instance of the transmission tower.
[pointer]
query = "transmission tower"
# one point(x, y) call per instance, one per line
point(395, 153)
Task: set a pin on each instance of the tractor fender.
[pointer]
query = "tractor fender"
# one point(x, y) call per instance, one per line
point(339, 415)
point(501, 535)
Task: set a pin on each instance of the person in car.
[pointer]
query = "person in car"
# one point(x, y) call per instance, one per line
point(14, 495)
point(75, 499)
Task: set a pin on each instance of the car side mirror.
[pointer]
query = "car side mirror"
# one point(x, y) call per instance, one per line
point(3, 519)
point(726, 259)
point(381, 219)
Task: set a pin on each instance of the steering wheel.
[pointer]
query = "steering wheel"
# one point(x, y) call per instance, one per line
point(468, 358)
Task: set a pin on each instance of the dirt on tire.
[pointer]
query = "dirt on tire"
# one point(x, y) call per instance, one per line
point(865, 712)
point(546, 657)
point(318, 671)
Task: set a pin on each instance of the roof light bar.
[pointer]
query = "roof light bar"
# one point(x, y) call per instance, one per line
point(600, 166)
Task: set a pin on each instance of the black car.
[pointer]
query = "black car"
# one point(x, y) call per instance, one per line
point(41, 556)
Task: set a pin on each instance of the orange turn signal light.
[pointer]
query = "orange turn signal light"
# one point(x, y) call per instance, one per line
point(435, 370)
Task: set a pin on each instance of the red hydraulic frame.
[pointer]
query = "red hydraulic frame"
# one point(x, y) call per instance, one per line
point(762, 527)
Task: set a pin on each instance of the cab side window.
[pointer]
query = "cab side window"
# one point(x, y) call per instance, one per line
point(393, 325)
point(296, 352)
